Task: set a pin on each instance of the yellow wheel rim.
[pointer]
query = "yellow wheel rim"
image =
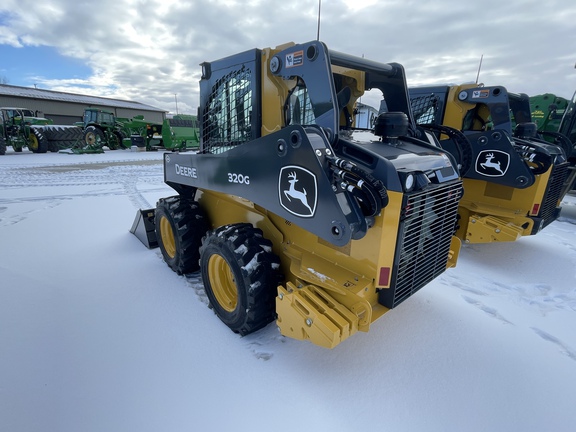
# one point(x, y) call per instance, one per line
point(222, 283)
point(33, 142)
point(90, 138)
point(167, 236)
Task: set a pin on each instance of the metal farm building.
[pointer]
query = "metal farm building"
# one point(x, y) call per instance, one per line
point(67, 108)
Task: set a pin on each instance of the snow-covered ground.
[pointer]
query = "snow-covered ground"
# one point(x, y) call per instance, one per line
point(98, 334)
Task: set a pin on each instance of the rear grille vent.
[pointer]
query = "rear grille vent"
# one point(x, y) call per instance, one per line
point(424, 241)
point(548, 211)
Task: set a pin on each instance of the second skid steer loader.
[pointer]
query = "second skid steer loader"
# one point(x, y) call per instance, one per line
point(513, 181)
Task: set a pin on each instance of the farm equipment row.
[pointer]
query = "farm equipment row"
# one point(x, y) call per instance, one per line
point(102, 128)
point(21, 128)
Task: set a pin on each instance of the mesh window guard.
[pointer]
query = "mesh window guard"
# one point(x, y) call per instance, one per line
point(227, 117)
point(424, 108)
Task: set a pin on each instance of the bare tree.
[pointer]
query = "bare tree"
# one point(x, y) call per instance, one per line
point(3, 79)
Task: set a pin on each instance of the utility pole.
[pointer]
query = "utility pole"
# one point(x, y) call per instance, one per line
point(176, 99)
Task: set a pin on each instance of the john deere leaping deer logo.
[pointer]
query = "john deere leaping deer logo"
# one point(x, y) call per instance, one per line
point(492, 163)
point(489, 164)
point(297, 190)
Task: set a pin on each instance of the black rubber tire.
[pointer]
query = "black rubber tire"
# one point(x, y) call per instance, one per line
point(55, 146)
point(37, 141)
point(180, 226)
point(240, 275)
point(63, 137)
point(114, 141)
point(94, 136)
point(2, 146)
point(121, 136)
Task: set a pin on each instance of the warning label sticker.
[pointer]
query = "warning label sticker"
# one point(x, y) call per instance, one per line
point(295, 59)
point(478, 94)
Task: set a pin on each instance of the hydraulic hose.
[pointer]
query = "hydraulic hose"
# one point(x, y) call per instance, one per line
point(370, 192)
point(560, 140)
point(538, 159)
point(465, 152)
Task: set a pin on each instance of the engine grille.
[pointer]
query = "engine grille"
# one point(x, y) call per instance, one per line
point(548, 211)
point(424, 240)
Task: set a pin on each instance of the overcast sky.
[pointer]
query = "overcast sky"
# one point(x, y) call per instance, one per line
point(150, 50)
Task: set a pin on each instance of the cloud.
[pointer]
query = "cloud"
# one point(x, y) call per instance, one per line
point(150, 50)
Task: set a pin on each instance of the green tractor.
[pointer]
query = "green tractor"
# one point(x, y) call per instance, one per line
point(103, 128)
point(567, 127)
point(556, 116)
point(17, 130)
point(547, 110)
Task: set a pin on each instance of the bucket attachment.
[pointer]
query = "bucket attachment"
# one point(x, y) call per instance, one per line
point(144, 228)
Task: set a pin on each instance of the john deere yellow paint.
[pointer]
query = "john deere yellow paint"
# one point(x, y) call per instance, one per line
point(294, 215)
point(513, 180)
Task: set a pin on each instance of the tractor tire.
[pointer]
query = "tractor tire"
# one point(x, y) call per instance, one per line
point(94, 137)
point(62, 137)
point(180, 226)
point(121, 136)
point(240, 275)
point(115, 140)
point(37, 142)
point(2, 146)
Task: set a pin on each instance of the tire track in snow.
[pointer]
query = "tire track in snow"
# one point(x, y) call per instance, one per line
point(126, 177)
point(564, 349)
point(449, 279)
point(493, 313)
point(539, 295)
point(259, 342)
point(194, 281)
point(17, 218)
point(262, 342)
point(124, 180)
